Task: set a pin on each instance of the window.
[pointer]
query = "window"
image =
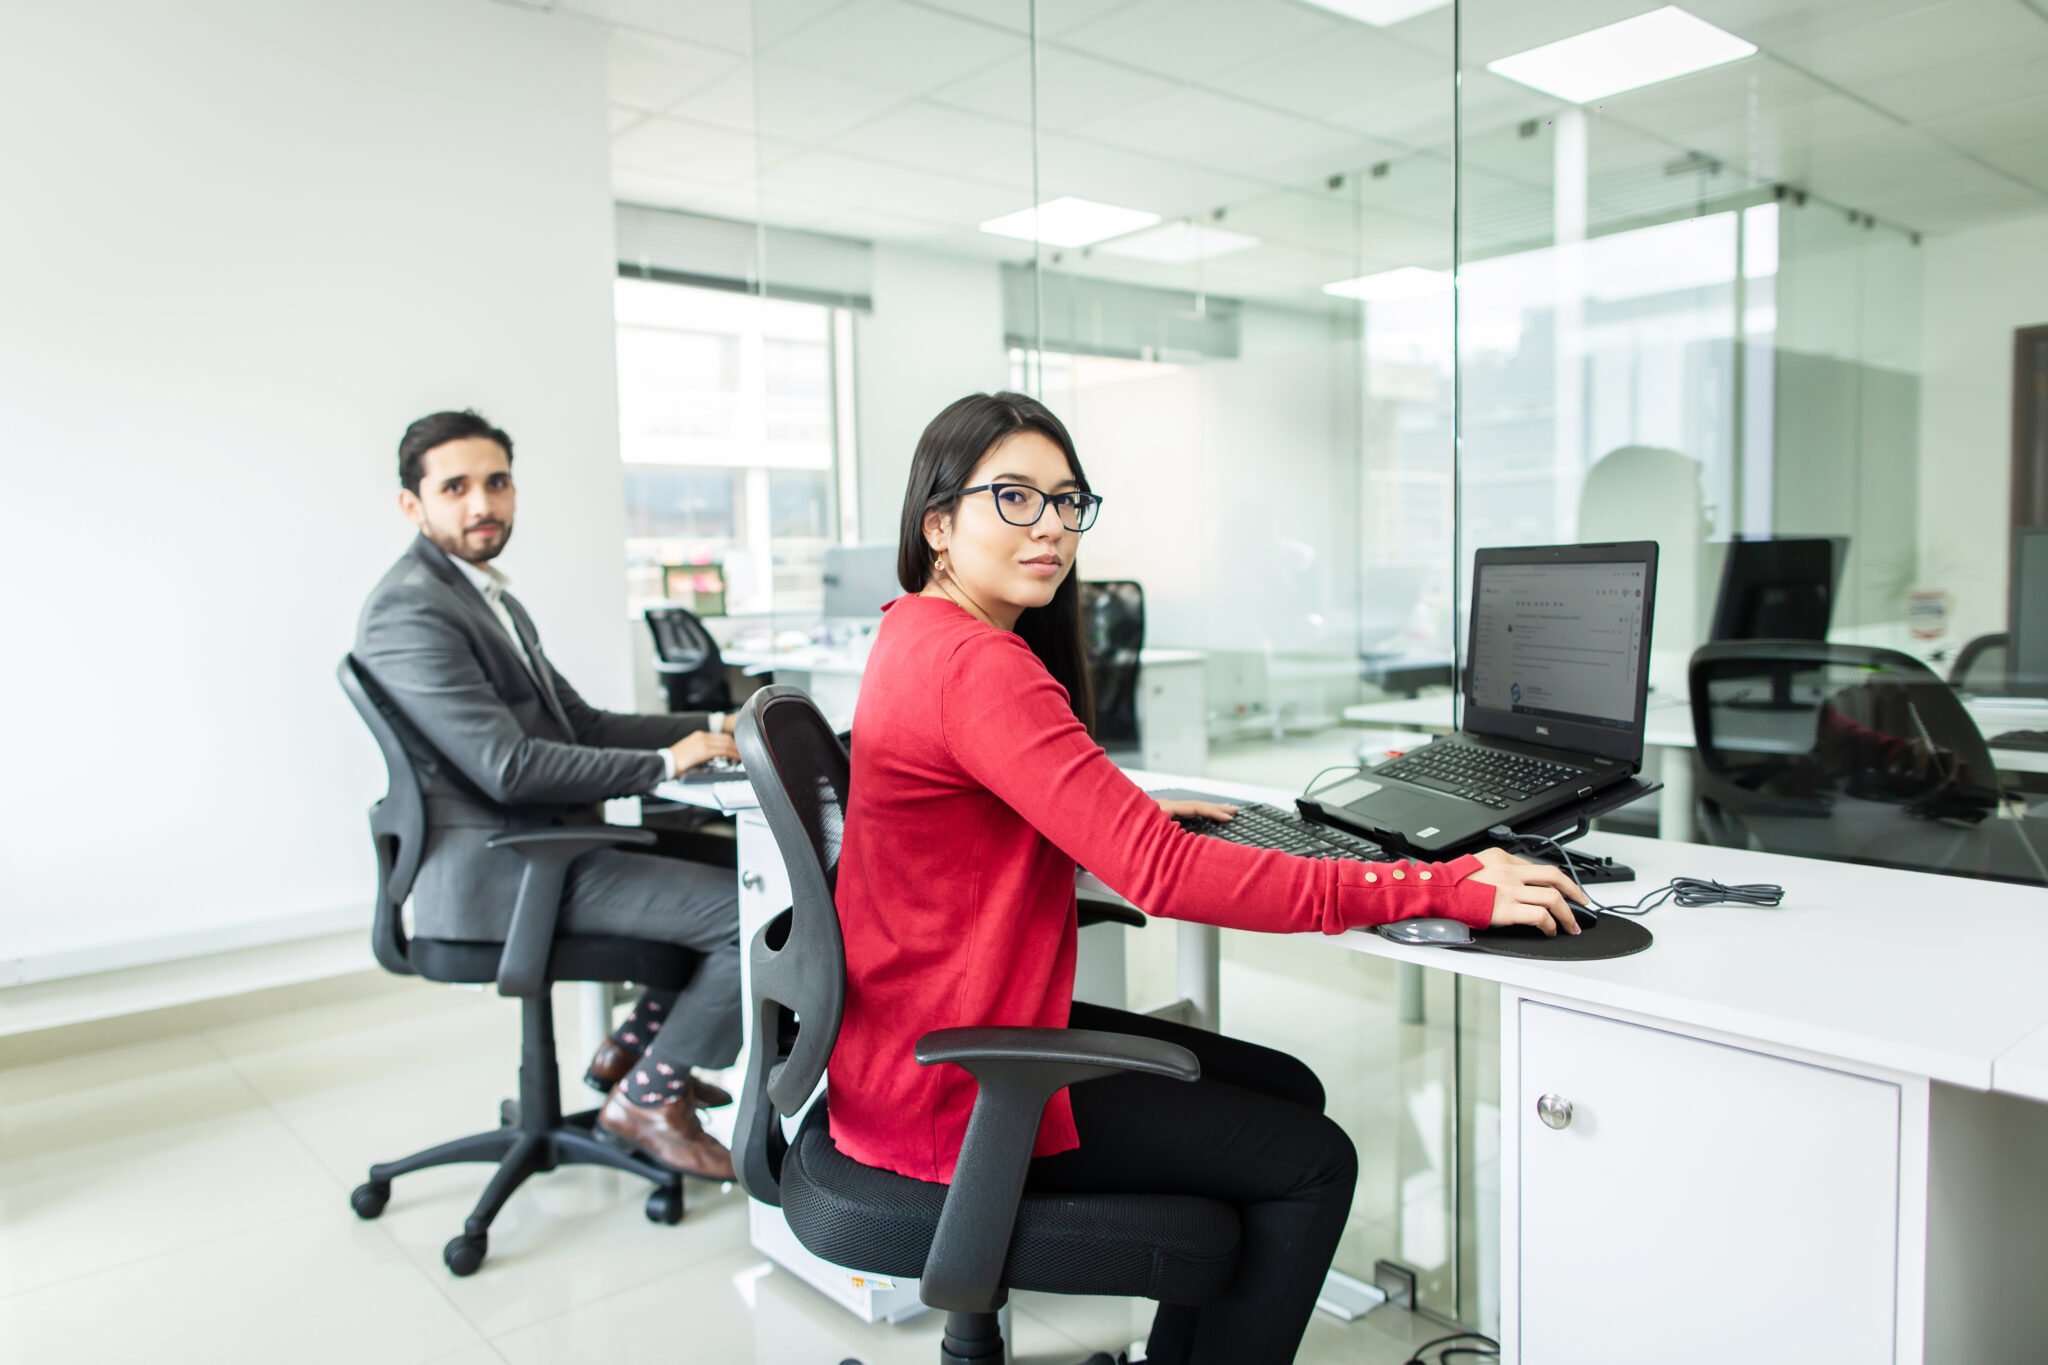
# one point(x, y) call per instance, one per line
point(731, 411)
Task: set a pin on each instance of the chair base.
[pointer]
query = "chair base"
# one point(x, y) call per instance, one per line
point(532, 1137)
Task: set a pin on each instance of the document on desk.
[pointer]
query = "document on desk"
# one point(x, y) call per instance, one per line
point(727, 797)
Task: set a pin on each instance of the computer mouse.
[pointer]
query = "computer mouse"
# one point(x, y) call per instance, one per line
point(1440, 932)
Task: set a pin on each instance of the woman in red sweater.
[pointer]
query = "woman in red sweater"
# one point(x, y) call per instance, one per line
point(976, 789)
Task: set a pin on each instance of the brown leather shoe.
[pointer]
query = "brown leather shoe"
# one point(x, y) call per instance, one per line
point(667, 1133)
point(705, 1095)
point(608, 1066)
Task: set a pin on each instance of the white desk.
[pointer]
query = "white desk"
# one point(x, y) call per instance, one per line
point(1791, 1141)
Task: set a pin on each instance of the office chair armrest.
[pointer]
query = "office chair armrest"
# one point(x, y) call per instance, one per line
point(1092, 911)
point(523, 968)
point(1018, 1070)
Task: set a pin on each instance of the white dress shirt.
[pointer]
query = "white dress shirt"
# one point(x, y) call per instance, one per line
point(492, 583)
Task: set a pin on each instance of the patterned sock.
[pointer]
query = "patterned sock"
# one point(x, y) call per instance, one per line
point(642, 1025)
point(651, 1085)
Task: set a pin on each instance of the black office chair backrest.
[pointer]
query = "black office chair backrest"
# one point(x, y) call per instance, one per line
point(1113, 620)
point(800, 772)
point(398, 822)
point(1982, 666)
point(687, 658)
point(1788, 729)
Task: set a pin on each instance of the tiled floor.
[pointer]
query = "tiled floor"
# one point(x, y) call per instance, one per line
point(184, 1198)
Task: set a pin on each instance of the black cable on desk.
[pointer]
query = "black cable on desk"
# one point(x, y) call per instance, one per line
point(1686, 892)
point(1489, 1349)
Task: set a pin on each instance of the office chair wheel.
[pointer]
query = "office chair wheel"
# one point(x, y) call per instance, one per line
point(508, 1113)
point(665, 1206)
point(369, 1198)
point(464, 1254)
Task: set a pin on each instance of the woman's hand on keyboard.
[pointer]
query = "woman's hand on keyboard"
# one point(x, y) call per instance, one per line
point(1529, 893)
point(1198, 810)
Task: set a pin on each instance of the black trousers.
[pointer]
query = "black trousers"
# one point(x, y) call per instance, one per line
point(1251, 1133)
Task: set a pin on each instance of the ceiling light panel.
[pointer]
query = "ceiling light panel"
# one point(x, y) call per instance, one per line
point(1069, 222)
point(1181, 243)
point(1645, 50)
point(1380, 13)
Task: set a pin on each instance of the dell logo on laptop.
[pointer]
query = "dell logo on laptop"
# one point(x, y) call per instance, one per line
point(1543, 729)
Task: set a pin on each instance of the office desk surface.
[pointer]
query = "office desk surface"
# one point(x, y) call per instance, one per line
point(1668, 723)
point(2023, 1069)
point(1912, 972)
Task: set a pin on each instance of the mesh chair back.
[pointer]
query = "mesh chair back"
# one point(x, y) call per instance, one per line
point(1982, 666)
point(398, 822)
point(687, 658)
point(1837, 751)
point(797, 962)
point(1113, 618)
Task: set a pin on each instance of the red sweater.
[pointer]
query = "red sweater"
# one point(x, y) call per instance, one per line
point(974, 793)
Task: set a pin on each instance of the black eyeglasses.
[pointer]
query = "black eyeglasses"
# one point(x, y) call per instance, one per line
point(1022, 505)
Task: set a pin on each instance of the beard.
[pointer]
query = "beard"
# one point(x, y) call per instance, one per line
point(472, 549)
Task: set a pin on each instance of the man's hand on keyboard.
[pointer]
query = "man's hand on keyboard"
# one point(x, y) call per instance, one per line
point(1198, 810)
point(1529, 893)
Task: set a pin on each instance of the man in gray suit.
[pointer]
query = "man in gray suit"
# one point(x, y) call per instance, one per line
point(513, 746)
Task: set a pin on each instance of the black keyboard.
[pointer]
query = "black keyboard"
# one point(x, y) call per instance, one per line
point(2021, 739)
point(1492, 777)
point(1259, 826)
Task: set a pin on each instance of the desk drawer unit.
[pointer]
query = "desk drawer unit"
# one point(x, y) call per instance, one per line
point(1693, 1203)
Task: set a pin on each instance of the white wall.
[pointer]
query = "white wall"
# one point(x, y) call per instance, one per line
point(935, 335)
point(245, 244)
point(1982, 285)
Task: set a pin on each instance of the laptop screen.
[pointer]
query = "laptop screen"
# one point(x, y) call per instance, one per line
point(1561, 641)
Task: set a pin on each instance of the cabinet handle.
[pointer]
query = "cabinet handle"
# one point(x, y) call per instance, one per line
point(1555, 1110)
point(752, 881)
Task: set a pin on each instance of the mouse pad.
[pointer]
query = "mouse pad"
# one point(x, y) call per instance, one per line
point(1609, 936)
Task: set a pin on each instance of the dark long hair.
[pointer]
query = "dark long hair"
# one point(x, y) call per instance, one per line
point(946, 455)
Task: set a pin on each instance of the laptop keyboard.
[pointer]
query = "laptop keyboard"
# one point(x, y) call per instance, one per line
point(1491, 777)
point(1260, 826)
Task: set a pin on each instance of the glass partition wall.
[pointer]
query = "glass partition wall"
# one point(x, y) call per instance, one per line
point(1333, 293)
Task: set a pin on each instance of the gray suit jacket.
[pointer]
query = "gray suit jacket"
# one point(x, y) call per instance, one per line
point(509, 749)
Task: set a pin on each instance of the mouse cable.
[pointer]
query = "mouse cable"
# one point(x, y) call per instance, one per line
point(1308, 787)
point(1686, 892)
point(1486, 1349)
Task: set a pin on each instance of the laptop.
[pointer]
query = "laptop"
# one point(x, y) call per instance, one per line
point(1555, 685)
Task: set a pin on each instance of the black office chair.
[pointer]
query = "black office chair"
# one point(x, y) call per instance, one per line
point(1849, 753)
point(533, 1134)
point(687, 660)
point(971, 1242)
point(1981, 666)
point(1113, 619)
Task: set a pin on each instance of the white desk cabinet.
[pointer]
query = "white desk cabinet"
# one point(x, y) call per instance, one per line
point(1173, 719)
point(1682, 1164)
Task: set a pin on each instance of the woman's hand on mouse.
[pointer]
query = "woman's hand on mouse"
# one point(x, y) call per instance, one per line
point(1529, 893)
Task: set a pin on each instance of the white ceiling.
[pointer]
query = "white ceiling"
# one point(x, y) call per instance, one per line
point(911, 120)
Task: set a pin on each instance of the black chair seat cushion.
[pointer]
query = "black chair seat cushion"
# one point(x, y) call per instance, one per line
point(575, 957)
point(1171, 1248)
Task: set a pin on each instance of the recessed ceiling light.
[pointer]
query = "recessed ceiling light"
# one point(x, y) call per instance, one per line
point(1068, 221)
point(1181, 243)
point(1634, 53)
point(1392, 286)
point(1379, 13)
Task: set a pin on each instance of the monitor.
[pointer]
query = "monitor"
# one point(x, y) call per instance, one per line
point(2026, 606)
point(1560, 646)
point(1779, 589)
point(858, 580)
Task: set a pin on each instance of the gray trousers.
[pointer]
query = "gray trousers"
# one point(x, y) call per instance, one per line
point(637, 895)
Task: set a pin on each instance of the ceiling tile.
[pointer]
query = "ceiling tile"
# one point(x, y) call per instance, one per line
point(838, 178)
point(896, 47)
point(653, 73)
point(2024, 161)
point(1094, 170)
point(1992, 78)
point(1326, 77)
point(1074, 89)
point(1910, 42)
point(682, 192)
point(1054, 16)
point(1193, 39)
point(948, 141)
point(1772, 23)
point(1202, 128)
point(714, 23)
point(2014, 123)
